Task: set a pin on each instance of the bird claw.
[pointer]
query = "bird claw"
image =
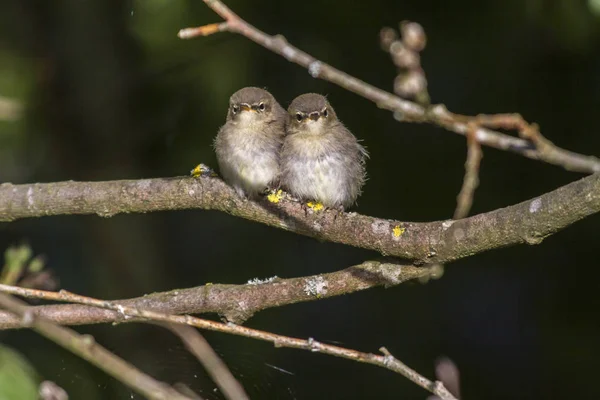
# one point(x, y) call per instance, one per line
point(338, 211)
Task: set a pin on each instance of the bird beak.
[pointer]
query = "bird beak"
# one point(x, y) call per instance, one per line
point(246, 107)
point(314, 115)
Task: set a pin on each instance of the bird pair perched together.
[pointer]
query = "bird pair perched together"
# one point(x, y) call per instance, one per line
point(307, 151)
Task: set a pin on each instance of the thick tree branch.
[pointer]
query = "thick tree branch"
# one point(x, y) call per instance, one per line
point(430, 242)
point(541, 149)
point(236, 302)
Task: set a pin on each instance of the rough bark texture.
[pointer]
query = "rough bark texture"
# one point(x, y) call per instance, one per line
point(236, 303)
point(430, 242)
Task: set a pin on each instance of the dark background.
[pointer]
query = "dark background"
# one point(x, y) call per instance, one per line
point(112, 93)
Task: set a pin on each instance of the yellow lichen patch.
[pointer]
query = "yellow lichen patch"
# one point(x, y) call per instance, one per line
point(275, 197)
point(197, 171)
point(398, 231)
point(315, 206)
point(202, 170)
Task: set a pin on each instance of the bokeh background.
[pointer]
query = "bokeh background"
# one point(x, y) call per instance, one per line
point(110, 92)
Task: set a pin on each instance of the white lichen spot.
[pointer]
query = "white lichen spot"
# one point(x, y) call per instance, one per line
point(459, 234)
point(380, 227)
point(314, 345)
point(191, 192)
point(317, 227)
point(316, 286)
point(30, 197)
point(535, 205)
point(121, 311)
point(144, 184)
point(481, 135)
point(447, 224)
point(289, 52)
point(257, 281)
point(390, 273)
point(314, 69)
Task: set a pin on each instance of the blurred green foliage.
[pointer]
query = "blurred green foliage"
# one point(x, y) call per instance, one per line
point(18, 379)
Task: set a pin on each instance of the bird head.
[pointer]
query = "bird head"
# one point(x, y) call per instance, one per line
point(310, 113)
point(252, 105)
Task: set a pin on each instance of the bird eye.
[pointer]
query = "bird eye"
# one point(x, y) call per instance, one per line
point(325, 113)
point(261, 106)
point(235, 109)
point(299, 117)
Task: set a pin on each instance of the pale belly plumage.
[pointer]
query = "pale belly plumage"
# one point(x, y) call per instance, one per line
point(249, 162)
point(322, 179)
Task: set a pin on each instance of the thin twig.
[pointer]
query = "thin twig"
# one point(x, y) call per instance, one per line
point(421, 243)
point(409, 111)
point(385, 361)
point(398, 366)
point(212, 363)
point(464, 200)
point(85, 347)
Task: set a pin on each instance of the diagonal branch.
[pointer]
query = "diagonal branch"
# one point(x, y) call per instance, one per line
point(409, 111)
point(236, 302)
point(430, 242)
point(127, 312)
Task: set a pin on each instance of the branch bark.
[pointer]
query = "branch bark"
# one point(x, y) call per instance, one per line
point(421, 243)
point(386, 361)
point(236, 303)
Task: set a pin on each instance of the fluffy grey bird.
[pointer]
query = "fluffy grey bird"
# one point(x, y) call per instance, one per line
point(320, 159)
point(249, 143)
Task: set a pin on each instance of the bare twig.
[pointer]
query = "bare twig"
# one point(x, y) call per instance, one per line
point(386, 361)
point(430, 242)
point(471, 179)
point(213, 364)
point(410, 111)
point(236, 302)
point(436, 387)
point(411, 81)
point(85, 347)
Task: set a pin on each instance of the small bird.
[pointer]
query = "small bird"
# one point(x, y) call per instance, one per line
point(249, 143)
point(321, 160)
